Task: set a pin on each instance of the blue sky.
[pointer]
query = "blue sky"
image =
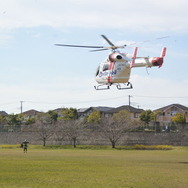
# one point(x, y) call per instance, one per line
point(47, 77)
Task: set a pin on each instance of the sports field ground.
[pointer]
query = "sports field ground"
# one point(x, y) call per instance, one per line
point(93, 168)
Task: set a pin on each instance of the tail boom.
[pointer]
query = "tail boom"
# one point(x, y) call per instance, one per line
point(150, 62)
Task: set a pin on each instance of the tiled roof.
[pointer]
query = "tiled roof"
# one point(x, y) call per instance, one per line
point(99, 108)
point(102, 108)
point(31, 112)
point(81, 110)
point(173, 105)
point(3, 113)
point(125, 107)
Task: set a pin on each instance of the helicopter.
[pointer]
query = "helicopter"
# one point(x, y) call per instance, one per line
point(116, 68)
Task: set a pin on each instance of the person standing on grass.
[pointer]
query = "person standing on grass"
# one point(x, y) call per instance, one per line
point(25, 146)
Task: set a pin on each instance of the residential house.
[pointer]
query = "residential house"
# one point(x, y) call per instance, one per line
point(2, 121)
point(84, 112)
point(3, 113)
point(167, 112)
point(30, 113)
point(135, 112)
point(109, 111)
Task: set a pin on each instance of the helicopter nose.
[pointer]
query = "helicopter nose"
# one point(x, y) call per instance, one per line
point(157, 61)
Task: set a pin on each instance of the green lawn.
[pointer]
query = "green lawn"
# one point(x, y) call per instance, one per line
point(86, 168)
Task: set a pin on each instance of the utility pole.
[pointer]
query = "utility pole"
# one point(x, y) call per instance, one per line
point(129, 100)
point(21, 107)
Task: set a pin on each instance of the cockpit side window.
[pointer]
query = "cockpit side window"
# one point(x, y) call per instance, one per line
point(105, 67)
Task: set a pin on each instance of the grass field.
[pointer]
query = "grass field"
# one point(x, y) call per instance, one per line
point(86, 168)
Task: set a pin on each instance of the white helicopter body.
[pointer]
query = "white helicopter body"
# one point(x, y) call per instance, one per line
point(116, 68)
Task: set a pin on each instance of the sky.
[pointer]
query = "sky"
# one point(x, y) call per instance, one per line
point(41, 76)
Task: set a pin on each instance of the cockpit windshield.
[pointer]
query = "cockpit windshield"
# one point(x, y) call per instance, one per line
point(97, 71)
point(105, 67)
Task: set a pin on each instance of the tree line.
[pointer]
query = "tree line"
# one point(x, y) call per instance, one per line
point(70, 127)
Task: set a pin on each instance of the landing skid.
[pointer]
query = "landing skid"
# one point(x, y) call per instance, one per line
point(124, 86)
point(102, 87)
point(119, 86)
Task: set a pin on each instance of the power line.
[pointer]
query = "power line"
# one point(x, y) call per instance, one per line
point(106, 99)
point(165, 97)
point(8, 103)
point(97, 100)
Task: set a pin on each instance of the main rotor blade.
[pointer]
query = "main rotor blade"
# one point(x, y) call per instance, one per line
point(109, 42)
point(99, 50)
point(79, 46)
point(135, 43)
point(109, 48)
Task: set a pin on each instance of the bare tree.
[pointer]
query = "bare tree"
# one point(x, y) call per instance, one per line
point(72, 130)
point(45, 128)
point(59, 133)
point(115, 127)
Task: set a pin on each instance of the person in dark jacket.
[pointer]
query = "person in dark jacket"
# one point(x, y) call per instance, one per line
point(25, 146)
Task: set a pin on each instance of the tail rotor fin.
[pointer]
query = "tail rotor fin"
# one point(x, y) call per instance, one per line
point(163, 52)
point(134, 57)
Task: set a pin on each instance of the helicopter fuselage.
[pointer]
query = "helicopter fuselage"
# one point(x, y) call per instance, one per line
point(115, 69)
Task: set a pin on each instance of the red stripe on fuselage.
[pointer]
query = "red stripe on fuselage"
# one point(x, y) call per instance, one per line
point(109, 79)
point(111, 68)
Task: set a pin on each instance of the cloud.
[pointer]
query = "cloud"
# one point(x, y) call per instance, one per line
point(5, 38)
point(144, 15)
point(23, 82)
point(148, 92)
point(152, 92)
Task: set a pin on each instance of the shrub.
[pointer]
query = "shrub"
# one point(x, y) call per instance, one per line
point(10, 146)
point(152, 147)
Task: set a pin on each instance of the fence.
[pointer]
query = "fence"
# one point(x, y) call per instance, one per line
point(132, 138)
